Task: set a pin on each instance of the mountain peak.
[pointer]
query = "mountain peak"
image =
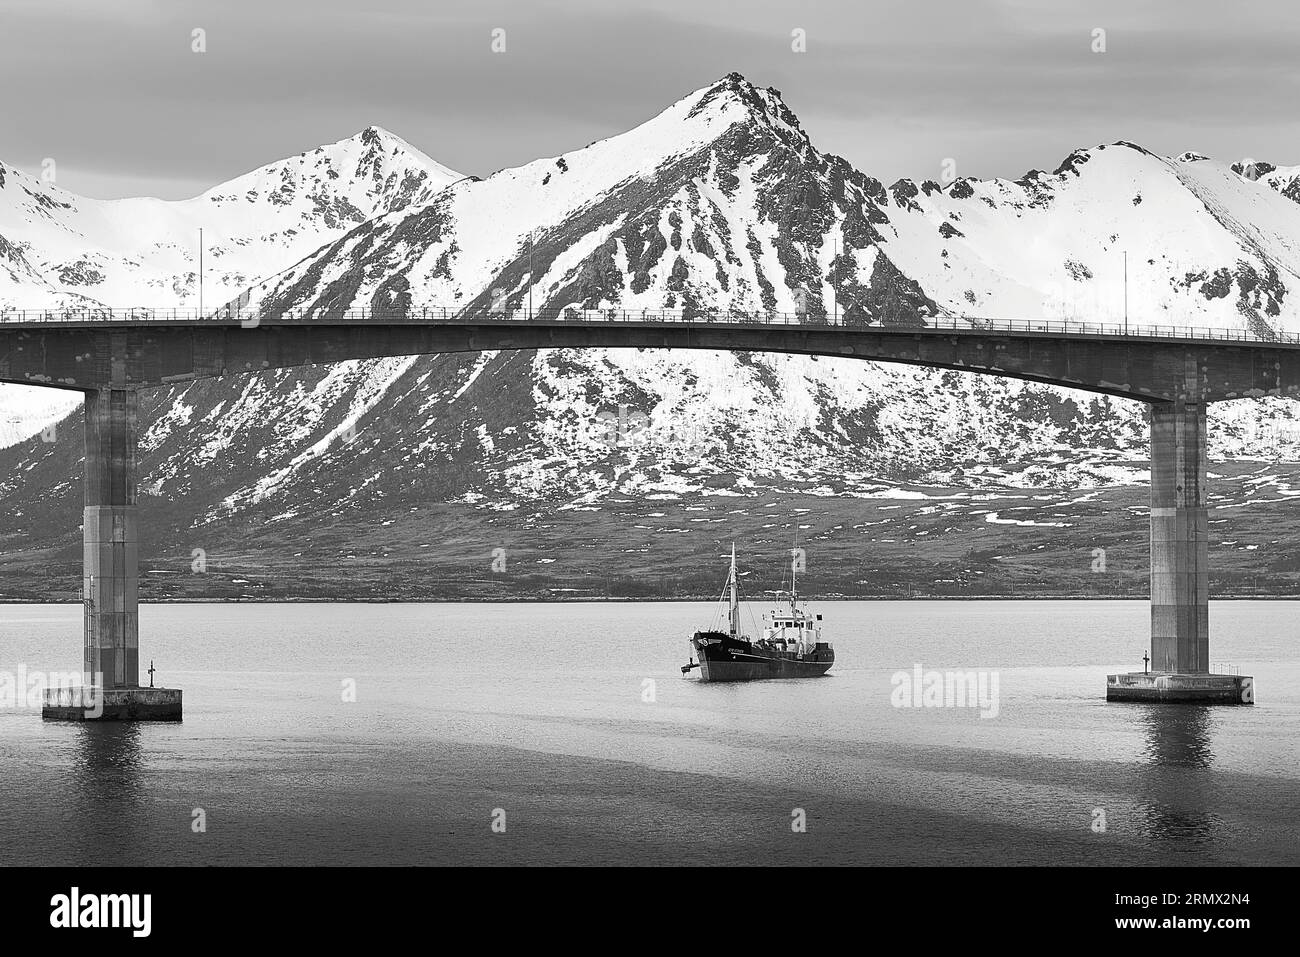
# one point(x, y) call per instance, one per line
point(733, 93)
point(376, 145)
point(366, 174)
point(729, 119)
point(376, 137)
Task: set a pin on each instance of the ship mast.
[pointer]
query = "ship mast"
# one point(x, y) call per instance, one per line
point(794, 566)
point(734, 610)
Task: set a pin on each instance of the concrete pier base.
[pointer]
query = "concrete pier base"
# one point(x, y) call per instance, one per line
point(88, 703)
point(1185, 688)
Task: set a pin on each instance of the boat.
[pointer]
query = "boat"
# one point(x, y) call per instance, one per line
point(790, 645)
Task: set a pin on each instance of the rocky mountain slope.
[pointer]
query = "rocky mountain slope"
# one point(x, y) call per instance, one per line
point(602, 471)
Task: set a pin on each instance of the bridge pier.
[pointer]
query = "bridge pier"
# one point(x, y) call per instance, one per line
point(1180, 548)
point(1180, 570)
point(110, 569)
point(110, 574)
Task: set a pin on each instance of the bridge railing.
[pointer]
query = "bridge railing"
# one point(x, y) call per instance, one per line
point(892, 318)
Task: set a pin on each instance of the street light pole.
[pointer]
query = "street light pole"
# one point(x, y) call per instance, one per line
point(200, 272)
point(1126, 292)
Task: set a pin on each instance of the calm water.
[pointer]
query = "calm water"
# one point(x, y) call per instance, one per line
point(538, 710)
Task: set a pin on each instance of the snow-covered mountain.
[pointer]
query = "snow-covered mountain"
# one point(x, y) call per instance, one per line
point(58, 249)
point(144, 252)
point(721, 200)
point(1205, 246)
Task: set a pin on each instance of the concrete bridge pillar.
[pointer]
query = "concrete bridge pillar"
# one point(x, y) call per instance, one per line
point(110, 536)
point(1180, 556)
point(110, 575)
point(1179, 667)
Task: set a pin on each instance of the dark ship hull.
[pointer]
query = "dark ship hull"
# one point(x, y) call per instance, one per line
point(725, 658)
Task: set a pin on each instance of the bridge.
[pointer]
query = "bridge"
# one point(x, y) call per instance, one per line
point(111, 355)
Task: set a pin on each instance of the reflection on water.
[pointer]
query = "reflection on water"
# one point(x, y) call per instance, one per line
point(107, 767)
point(1178, 735)
point(108, 755)
point(1176, 796)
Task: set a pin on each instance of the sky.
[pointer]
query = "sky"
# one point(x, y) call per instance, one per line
point(118, 97)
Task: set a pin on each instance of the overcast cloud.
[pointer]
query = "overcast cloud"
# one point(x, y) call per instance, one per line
point(112, 91)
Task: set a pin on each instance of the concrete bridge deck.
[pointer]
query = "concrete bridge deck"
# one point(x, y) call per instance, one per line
point(145, 348)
